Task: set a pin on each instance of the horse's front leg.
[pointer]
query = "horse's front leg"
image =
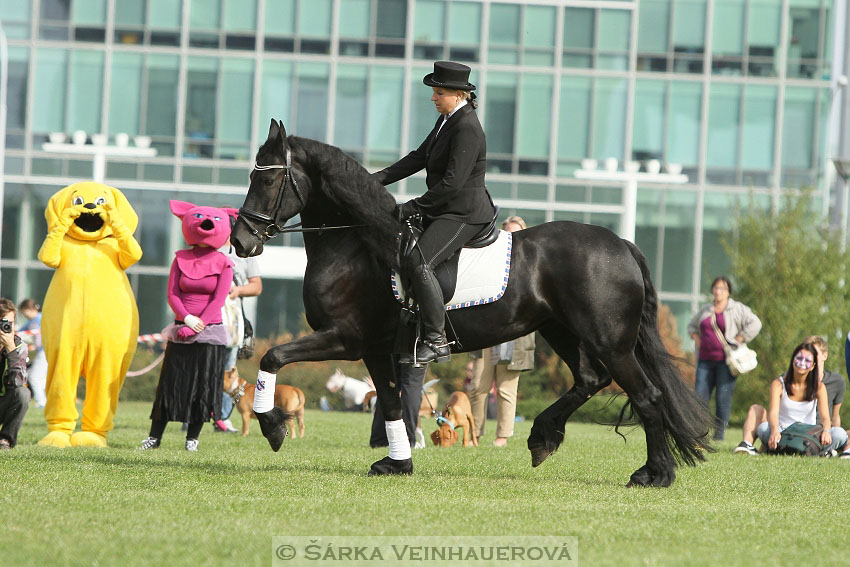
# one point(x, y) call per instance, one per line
point(324, 345)
point(387, 378)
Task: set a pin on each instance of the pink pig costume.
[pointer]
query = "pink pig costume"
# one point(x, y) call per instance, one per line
point(190, 383)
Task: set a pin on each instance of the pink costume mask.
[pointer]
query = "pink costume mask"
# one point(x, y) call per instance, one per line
point(209, 226)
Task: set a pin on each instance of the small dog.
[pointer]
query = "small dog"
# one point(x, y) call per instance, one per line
point(288, 398)
point(456, 413)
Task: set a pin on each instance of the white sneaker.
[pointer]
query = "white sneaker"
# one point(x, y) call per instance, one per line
point(420, 439)
point(191, 444)
point(228, 426)
point(744, 447)
point(149, 443)
point(845, 455)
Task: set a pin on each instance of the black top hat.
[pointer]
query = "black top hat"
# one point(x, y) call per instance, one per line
point(449, 75)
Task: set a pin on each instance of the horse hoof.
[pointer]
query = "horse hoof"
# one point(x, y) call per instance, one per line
point(273, 426)
point(646, 477)
point(388, 466)
point(539, 454)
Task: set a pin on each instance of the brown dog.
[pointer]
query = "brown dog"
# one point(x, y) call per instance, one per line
point(456, 413)
point(288, 398)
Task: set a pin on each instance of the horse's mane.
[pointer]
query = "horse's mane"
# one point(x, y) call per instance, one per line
point(350, 186)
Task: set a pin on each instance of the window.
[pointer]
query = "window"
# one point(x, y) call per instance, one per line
point(533, 126)
point(275, 96)
point(311, 101)
point(373, 27)
point(805, 39)
point(350, 113)
point(16, 18)
point(49, 85)
point(597, 38)
point(16, 94)
point(758, 133)
point(89, 20)
point(386, 90)
point(724, 116)
point(609, 118)
point(429, 29)
point(746, 37)
point(201, 79)
point(161, 102)
point(798, 136)
point(125, 93)
point(574, 128)
point(233, 124)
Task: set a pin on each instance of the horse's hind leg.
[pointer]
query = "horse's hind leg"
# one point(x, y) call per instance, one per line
point(660, 467)
point(589, 375)
point(385, 378)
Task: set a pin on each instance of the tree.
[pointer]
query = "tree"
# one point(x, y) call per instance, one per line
point(790, 268)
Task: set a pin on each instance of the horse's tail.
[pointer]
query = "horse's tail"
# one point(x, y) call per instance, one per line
point(685, 418)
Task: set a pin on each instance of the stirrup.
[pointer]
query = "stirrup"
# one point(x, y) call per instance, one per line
point(419, 362)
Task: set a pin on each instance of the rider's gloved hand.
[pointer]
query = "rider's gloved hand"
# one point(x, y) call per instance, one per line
point(405, 210)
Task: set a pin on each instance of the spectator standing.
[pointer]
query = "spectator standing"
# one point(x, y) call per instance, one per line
point(738, 325)
point(14, 394)
point(247, 282)
point(410, 385)
point(501, 365)
point(37, 371)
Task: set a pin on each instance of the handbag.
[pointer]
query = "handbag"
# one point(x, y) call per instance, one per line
point(740, 360)
point(800, 439)
point(232, 318)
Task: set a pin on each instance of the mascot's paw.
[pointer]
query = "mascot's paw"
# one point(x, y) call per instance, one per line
point(87, 439)
point(56, 439)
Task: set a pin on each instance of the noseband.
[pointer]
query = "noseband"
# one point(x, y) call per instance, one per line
point(272, 226)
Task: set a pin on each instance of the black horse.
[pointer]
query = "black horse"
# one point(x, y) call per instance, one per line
point(587, 291)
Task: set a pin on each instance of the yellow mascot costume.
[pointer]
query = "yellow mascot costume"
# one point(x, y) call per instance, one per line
point(90, 322)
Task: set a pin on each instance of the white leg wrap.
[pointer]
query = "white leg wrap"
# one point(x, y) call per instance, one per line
point(264, 394)
point(397, 436)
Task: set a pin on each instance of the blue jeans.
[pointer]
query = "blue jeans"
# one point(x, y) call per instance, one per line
point(711, 375)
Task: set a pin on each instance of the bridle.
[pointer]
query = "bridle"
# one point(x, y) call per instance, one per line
point(272, 225)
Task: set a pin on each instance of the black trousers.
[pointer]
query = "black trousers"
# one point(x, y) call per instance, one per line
point(14, 404)
point(441, 239)
point(410, 382)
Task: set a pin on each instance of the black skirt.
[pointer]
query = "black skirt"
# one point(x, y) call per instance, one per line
point(191, 383)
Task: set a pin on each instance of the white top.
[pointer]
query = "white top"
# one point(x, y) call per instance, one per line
point(791, 412)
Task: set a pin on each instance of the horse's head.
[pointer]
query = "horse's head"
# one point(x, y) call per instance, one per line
point(274, 195)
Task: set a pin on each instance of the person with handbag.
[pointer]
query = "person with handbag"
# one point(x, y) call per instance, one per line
point(717, 329)
point(247, 282)
point(798, 396)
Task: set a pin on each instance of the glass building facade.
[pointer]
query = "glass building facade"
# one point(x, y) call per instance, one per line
point(738, 92)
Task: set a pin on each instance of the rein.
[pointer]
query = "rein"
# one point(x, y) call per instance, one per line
point(273, 227)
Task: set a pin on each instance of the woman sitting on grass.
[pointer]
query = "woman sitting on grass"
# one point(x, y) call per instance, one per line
point(797, 396)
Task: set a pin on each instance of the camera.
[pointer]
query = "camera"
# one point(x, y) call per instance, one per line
point(5, 326)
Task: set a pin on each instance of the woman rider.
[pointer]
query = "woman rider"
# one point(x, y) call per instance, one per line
point(455, 208)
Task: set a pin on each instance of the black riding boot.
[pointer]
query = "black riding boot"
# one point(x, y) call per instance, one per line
point(432, 345)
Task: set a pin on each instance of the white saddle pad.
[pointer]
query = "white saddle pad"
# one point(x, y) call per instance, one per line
point(482, 274)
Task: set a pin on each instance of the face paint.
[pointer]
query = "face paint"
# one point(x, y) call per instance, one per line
point(803, 362)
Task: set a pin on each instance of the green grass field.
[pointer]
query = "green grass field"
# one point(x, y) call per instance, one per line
point(223, 505)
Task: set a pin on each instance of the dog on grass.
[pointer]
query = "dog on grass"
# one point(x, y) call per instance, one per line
point(456, 413)
point(288, 398)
